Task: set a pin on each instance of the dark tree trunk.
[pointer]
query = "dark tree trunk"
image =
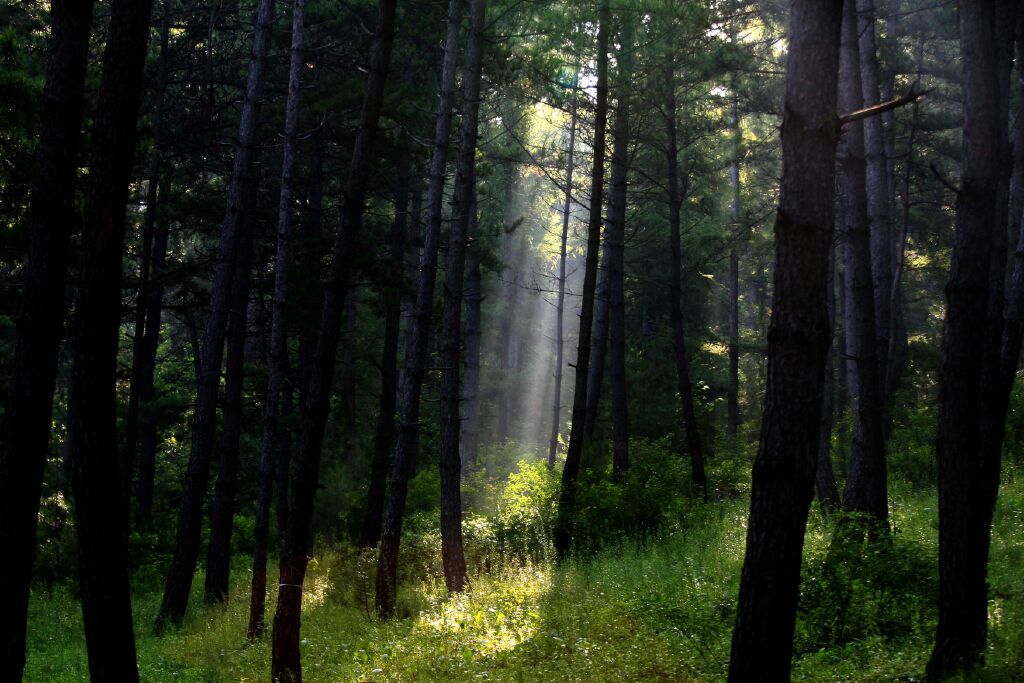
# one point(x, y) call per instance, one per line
point(154, 235)
point(877, 186)
point(222, 512)
point(563, 534)
point(404, 465)
point(28, 409)
point(616, 238)
point(733, 398)
point(243, 178)
point(866, 490)
point(149, 438)
point(470, 439)
point(277, 375)
point(968, 465)
point(347, 383)
point(784, 470)
point(599, 344)
point(285, 664)
point(675, 202)
point(97, 477)
point(453, 556)
point(556, 409)
point(825, 481)
point(385, 435)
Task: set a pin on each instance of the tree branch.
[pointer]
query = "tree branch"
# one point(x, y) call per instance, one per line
point(912, 96)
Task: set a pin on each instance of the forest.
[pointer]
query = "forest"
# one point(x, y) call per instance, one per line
point(511, 340)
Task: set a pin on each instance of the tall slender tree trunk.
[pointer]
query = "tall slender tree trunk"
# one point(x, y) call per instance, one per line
point(143, 361)
point(285, 663)
point(599, 344)
point(563, 534)
point(684, 385)
point(385, 434)
point(966, 494)
point(825, 480)
point(877, 187)
point(347, 383)
point(222, 512)
point(470, 438)
point(243, 177)
point(277, 375)
point(866, 489)
point(98, 478)
point(616, 238)
point(784, 470)
point(733, 398)
point(404, 464)
point(28, 409)
point(556, 410)
point(452, 552)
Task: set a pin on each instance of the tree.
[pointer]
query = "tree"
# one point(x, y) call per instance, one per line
point(968, 471)
point(98, 478)
point(570, 471)
point(404, 464)
point(784, 469)
point(243, 177)
point(285, 663)
point(28, 410)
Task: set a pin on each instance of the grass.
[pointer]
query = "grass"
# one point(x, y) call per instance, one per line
point(658, 611)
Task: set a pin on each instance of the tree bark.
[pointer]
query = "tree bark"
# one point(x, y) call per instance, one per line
point(684, 385)
point(966, 495)
point(404, 464)
point(733, 398)
point(154, 234)
point(385, 434)
point(825, 480)
point(98, 479)
point(347, 383)
point(877, 181)
point(784, 470)
point(222, 512)
point(277, 375)
point(556, 410)
point(599, 344)
point(616, 238)
point(285, 663)
point(28, 409)
point(243, 177)
point(866, 490)
point(453, 556)
point(470, 439)
point(563, 534)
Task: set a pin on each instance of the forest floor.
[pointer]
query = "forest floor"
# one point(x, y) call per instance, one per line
point(658, 611)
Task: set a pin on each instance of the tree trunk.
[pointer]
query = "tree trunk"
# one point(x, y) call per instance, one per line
point(563, 534)
point(470, 439)
point(385, 434)
point(404, 465)
point(143, 362)
point(285, 664)
point(599, 345)
point(97, 476)
point(877, 181)
point(965, 499)
point(556, 410)
point(733, 398)
point(347, 383)
point(825, 481)
point(222, 512)
point(971, 404)
point(684, 384)
point(784, 470)
point(453, 555)
point(243, 178)
point(616, 238)
point(866, 490)
point(28, 409)
point(277, 374)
